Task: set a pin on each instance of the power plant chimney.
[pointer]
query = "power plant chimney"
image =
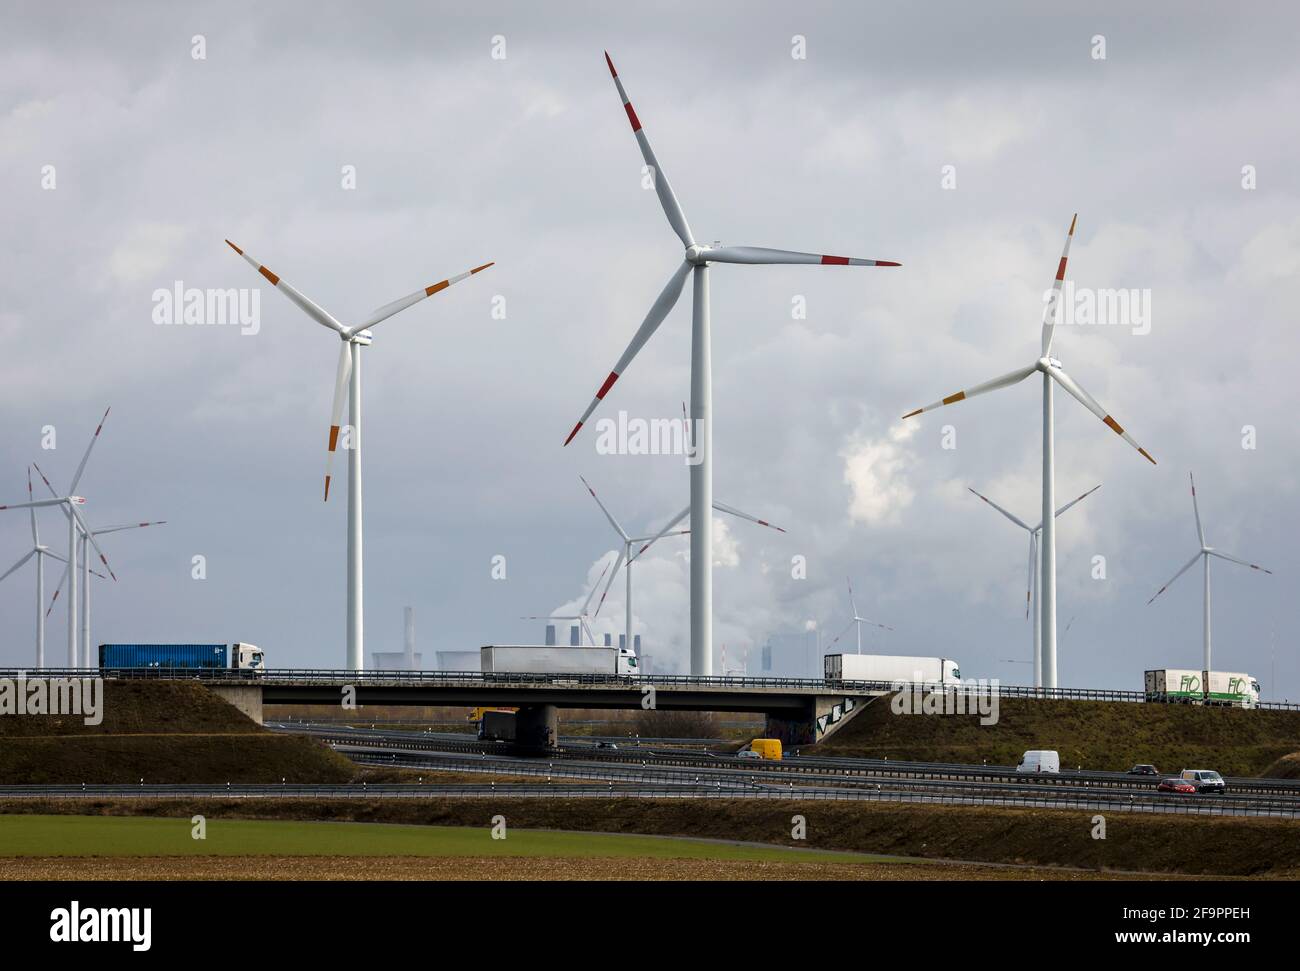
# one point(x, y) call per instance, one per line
point(550, 635)
point(410, 639)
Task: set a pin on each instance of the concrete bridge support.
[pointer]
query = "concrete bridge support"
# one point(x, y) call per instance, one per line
point(537, 728)
point(824, 716)
point(246, 697)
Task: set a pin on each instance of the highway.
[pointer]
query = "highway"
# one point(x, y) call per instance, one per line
point(660, 771)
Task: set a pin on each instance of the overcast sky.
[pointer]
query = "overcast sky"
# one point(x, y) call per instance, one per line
point(462, 157)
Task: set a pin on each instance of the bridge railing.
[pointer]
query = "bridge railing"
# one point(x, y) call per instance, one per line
point(336, 676)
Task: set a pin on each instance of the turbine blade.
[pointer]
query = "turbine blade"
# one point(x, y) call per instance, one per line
point(303, 302)
point(1232, 559)
point(1015, 519)
point(30, 554)
point(608, 515)
point(336, 410)
point(1078, 500)
point(1006, 380)
point(1091, 403)
point(1187, 566)
point(1050, 311)
point(35, 504)
point(121, 526)
point(1033, 561)
point(59, 589)
point(841, 633)
point(91, 536)
point(663, 303)
point(755, 255)
point(63, 509)
point(388, 309)
point(588, 601)
point(666, 531)
point(612, 574)
point(667, 198)
point(851, 603)
point(84, 458)
point(733, 511)
point(1200, 532)
point(36, 536)
point(865, 620)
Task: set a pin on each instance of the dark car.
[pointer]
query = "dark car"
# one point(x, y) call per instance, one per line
point(1175, 785)
point(1143, 770)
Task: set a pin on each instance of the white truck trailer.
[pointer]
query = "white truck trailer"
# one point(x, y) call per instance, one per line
point(1202, 687)
point(537, 659)
point(885, 667)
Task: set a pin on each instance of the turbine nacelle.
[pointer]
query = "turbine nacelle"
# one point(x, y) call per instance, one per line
point(697, 255)
point(362, 338)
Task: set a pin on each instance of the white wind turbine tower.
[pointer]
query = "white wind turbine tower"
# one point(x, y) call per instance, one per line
point(626, 556)
point(82, 656)
point(85, 657)
point(349, 378)
point(857, 621)
point(696, 263)
point(76, 525)
point(1052, 371)
point(1206, 551)
point(71, 503)
point(1031, 587)
point(40, 551)
point(582, 616)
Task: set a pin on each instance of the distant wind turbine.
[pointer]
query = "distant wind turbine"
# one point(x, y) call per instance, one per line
point(1206, 551)
point(348, 381)
point(1052, 371)
point(857, 621)
point(696, 264)
point(1031, 588)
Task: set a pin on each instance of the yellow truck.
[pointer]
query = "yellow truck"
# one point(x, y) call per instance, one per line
point(764, 748)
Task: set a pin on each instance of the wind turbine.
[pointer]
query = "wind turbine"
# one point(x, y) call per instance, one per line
point(857, 619)
point(581, 616)
point(74, 517)
point(1031, 588)
point(39, 551)
point(1205, 551)
point(626, 555)
point(86, 573)
point(696, 263)
point(1052, 371)
point(349, 376)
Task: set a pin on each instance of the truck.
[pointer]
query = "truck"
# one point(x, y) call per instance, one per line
point(537, 659)
point(189, 657)
point(497, 726)
point(1201, 687)
point(891, 668)
point(1237, 690)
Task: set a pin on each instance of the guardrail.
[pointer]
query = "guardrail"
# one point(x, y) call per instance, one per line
point(1201, 807)
point(470, 679)
point(819, 767)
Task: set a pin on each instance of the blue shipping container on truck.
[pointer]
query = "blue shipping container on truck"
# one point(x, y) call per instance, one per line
point(164, 656)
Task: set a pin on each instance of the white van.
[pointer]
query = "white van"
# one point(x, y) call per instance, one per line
point(1039, 761)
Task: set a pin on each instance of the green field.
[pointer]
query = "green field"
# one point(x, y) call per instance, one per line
point(82, 836)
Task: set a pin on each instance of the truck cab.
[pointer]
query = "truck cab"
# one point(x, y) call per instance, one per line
point(628, 663)
point(247, 657)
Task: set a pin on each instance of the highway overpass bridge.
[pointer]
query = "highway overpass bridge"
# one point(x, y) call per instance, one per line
point(799, 712)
